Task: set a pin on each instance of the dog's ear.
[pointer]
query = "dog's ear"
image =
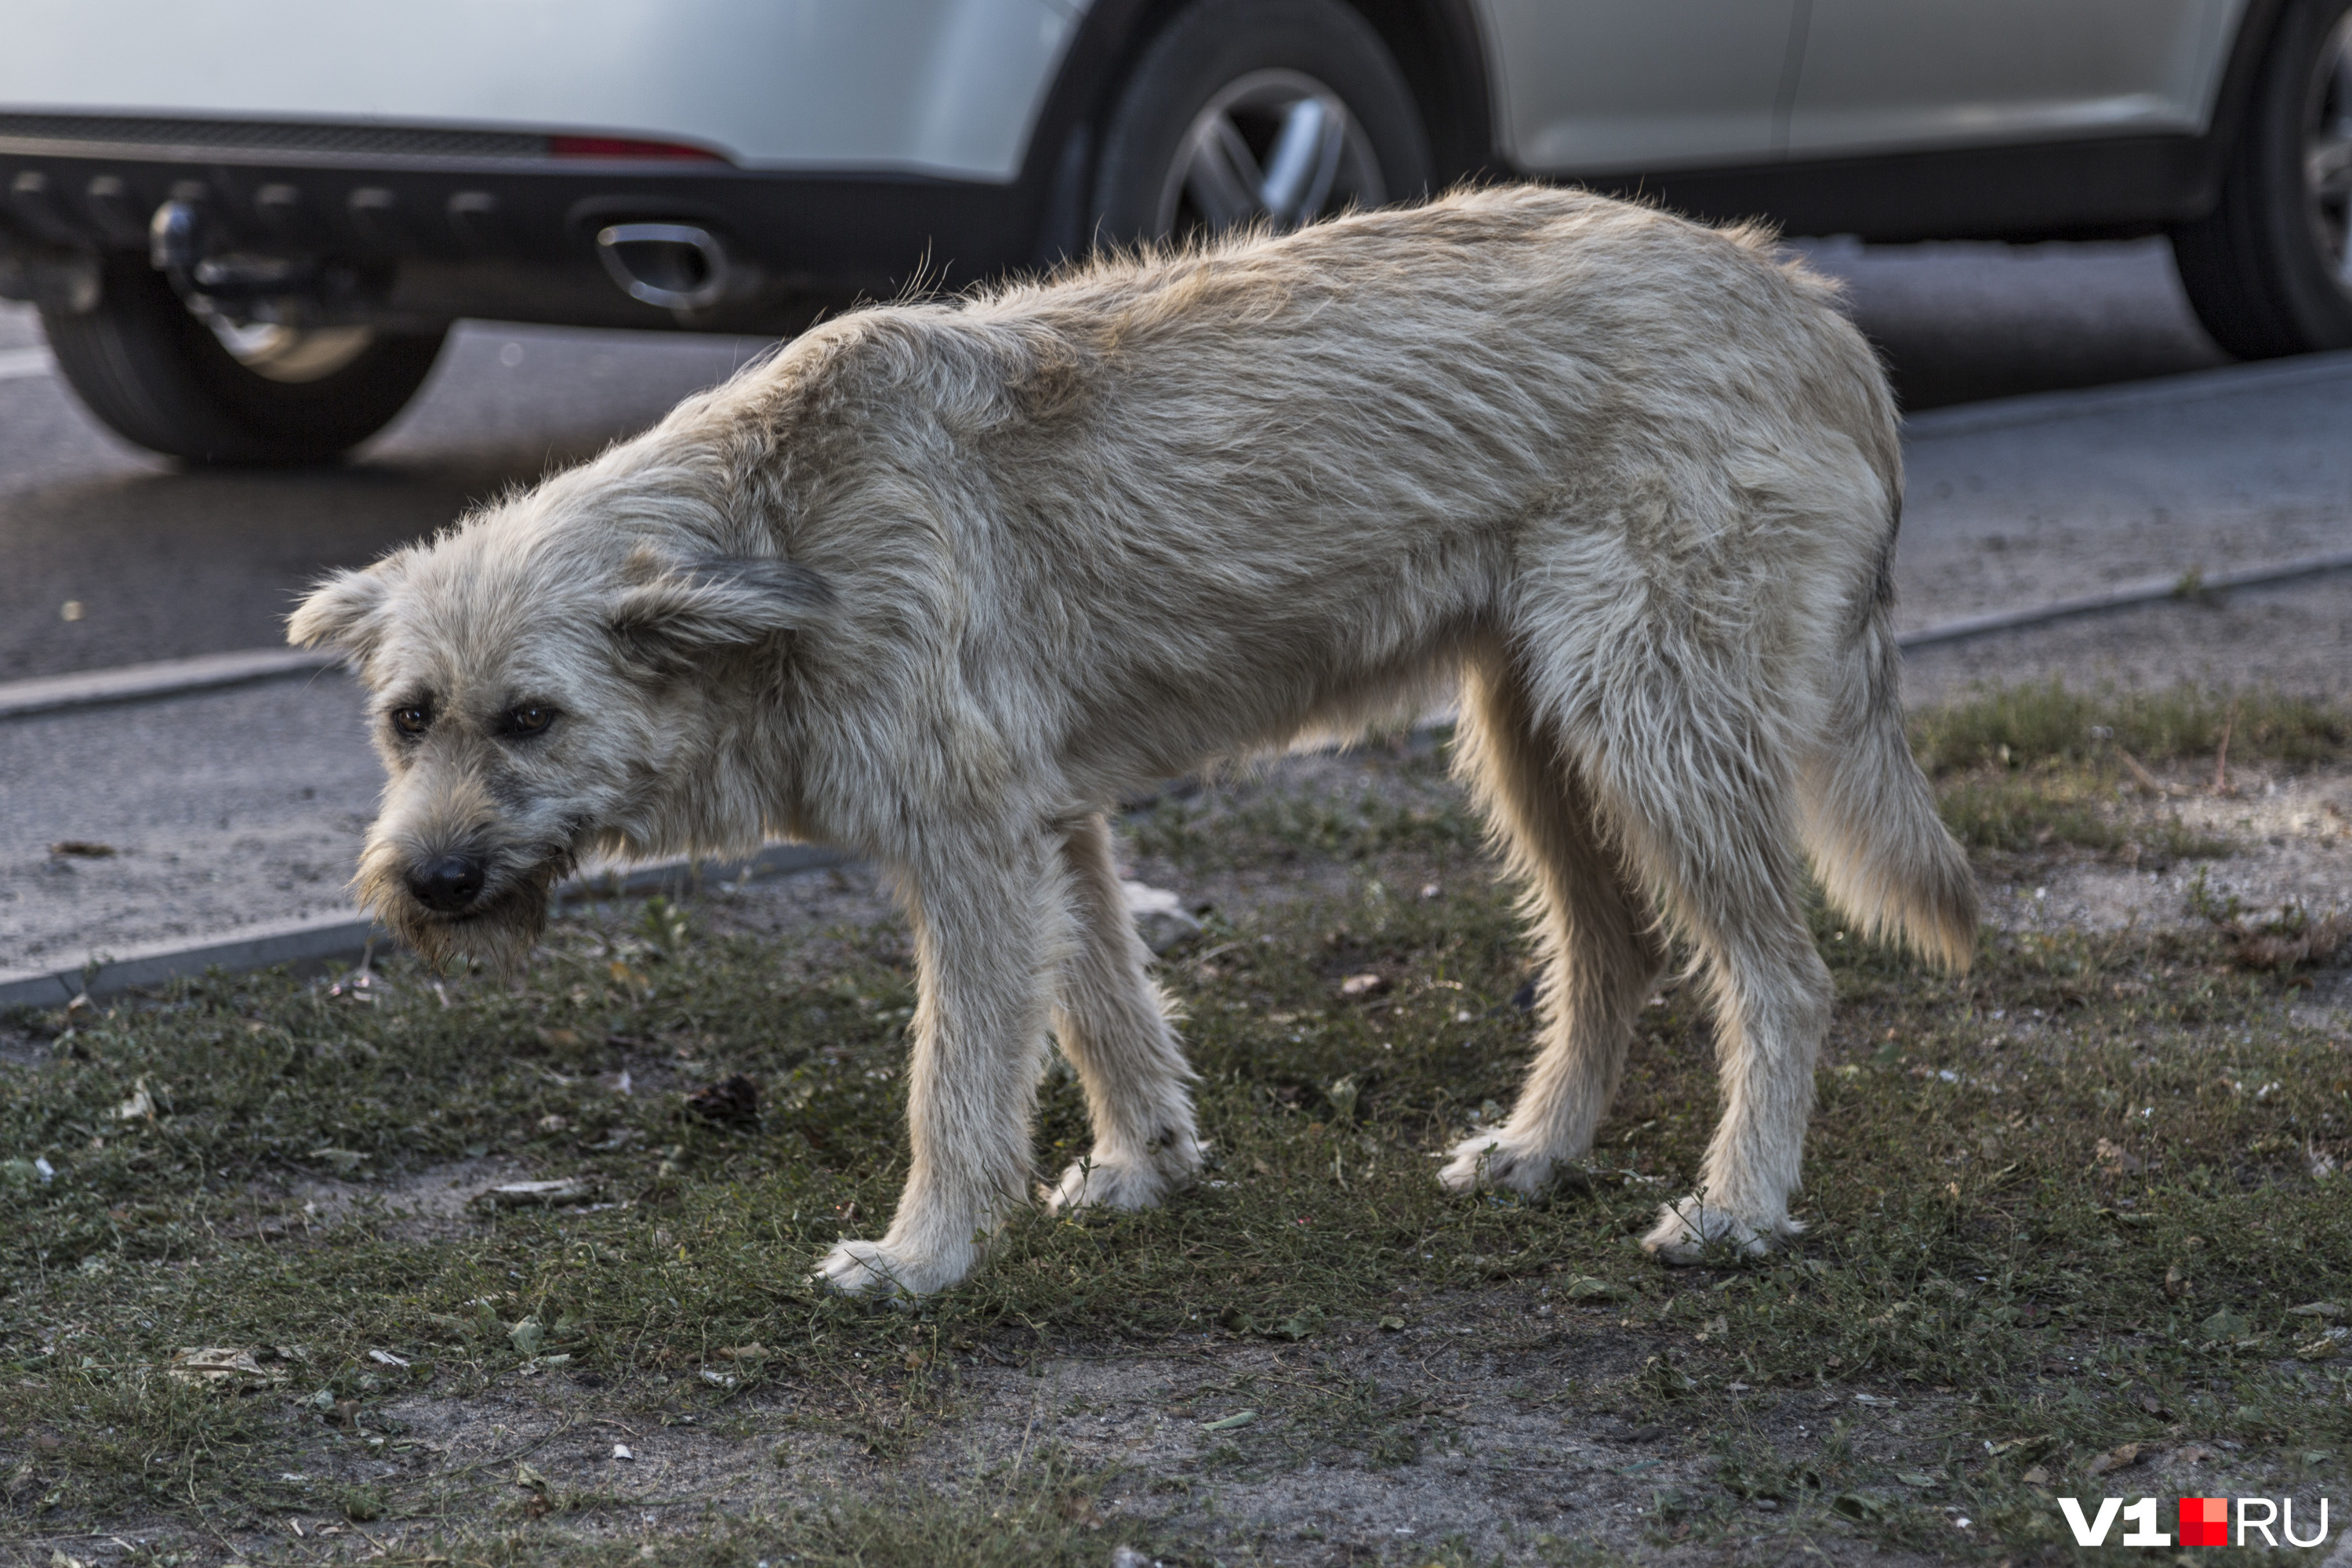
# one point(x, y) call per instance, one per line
point(679, 609)
point(344, 612)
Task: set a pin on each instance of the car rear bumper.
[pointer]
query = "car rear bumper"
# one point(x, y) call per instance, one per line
point(437, 224)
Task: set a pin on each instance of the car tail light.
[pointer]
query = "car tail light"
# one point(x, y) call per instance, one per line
point(625, 147)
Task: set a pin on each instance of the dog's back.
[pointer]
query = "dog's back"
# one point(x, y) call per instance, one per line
point(1289, 476)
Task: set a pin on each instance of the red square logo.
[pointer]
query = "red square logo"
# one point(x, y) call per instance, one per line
point(2204, 1522)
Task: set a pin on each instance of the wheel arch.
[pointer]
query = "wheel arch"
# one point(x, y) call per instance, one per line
point(2233, 101)
point(1436, 44)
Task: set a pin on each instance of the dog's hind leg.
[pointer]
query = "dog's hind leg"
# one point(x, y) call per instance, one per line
point(990, 927)
point(1596, 945)
point(1113, 1026)
point(1694, 778)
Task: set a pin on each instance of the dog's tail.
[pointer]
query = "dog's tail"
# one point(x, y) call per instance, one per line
point(1870, 821)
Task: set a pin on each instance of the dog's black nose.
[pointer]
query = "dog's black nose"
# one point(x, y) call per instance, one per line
point(448, 884)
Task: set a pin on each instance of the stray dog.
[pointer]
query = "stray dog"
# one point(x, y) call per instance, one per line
point(938, 581)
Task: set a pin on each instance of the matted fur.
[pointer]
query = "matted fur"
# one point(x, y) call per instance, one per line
point(938, 581)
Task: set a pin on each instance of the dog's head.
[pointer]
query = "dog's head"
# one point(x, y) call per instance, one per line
point(537, 691)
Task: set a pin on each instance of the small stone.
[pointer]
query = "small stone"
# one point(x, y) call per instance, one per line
point(1159, 916)
point(732, 1102)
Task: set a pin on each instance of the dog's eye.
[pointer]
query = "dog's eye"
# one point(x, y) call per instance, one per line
point(528, 720)
point(412, 720)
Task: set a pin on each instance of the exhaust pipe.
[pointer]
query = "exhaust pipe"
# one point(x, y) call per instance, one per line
point(674, 266)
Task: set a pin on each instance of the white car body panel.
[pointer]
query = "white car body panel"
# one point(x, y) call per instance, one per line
point(1603, 85)
point(933, 87)
point(1899, 75)
point(1599, 86)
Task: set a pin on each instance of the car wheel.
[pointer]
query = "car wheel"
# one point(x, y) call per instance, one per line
point(1273, 111)
point(2270, 270)
point(169, 380)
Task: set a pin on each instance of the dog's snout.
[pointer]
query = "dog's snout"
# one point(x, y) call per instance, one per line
point(448, 884)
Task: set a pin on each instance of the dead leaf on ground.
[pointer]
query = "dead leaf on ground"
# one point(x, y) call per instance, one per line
point(227, 1368)
point(2121, 1457)
point(538, 1194)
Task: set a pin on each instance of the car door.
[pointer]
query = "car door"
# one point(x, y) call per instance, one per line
point(1894, 75)
point(1604, 86)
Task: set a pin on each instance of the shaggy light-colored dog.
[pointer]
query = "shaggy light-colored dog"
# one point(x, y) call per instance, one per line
point(938, 581)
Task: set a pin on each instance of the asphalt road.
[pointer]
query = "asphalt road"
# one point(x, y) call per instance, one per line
point(166, 563)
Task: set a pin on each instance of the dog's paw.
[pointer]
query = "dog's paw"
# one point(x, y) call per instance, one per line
point(871, 1268)
point(1129, 1184)
point(1495, 1160)
point(1686, 1230)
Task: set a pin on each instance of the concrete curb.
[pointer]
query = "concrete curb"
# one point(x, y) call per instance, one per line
point(2155, 590)
point(2193, 386)
point(344, 937)
point(165, 678)
point(18, 363)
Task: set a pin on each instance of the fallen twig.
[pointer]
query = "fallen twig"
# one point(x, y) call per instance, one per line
point(2148, 780)
point(2221, 757)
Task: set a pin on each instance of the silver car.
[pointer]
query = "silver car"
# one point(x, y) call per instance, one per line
point(248, 226)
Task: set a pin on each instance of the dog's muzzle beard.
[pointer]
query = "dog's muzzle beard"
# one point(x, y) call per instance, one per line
point(421, 893)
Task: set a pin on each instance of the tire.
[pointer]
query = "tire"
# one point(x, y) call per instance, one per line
point(162, 378)
point(2269, 270)
point(1193, 143)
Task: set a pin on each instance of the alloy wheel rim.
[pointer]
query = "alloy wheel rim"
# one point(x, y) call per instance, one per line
point(2328, 154)
point(1276, 147)
point(291, 355)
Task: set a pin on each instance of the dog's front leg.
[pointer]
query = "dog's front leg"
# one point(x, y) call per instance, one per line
point(987, 930)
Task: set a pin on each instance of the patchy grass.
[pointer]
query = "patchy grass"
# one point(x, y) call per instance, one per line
point(2051, 807)
point(2067, 1205)
point(2017, 726)
point(2040, 770)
